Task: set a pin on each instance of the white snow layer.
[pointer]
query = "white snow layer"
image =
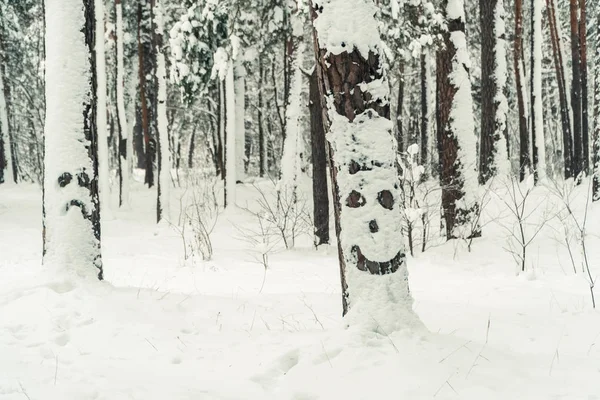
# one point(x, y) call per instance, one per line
point(341, 26)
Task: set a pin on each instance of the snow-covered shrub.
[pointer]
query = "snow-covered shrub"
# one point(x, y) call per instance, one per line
point(285, 211)
point(573, 212)
point(199, 214)
point(523, 225)
point(417, 199)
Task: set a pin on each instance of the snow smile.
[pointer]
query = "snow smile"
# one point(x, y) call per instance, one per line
point(378, 267)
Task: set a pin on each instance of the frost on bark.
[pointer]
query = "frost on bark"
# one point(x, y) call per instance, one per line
point(71, 202)
point(456, 129)
point(362, 149)
point(537, 109)
point(493, 153)
point(164, 154)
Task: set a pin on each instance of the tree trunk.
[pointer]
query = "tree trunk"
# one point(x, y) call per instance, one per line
point(576, 90)
point(164, 153)
point(400, 136)
point(524, 160)
point(71, 198)
point(493, 152)
point(319, 164)
point(8, 169)
point(565, 114)
point(455, 125)
point(488, 90)
point(103, 167)
point(124, 154)
point(362, 150)
point(596, 153)
point(262, 138)
point(424, 129)
point(585, 134)
point(537, 110)
point(145, 54)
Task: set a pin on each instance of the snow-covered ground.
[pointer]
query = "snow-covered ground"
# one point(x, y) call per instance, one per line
point(161, 327)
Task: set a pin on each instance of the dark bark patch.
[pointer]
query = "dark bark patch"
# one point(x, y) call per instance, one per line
point(355, 200)
point(386, 199)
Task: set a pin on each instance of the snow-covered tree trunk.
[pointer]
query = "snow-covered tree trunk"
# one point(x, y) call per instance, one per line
point(563, 91)
point(576, 100)
point(519, 67)
point(537, 108)
point(456, 128)
point(596, 142)
point(71, 201)
point(365, 183)
point(101, 114)
point(230, 136)
point(8, 172)
point(290, 160)
point(493, 155)
point(164, 154)
point(124, 139)
point(240, 122)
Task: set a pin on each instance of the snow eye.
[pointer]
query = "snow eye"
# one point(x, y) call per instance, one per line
point(355, 200)
point(354, 167)
point(65, 179)
point(386, 199)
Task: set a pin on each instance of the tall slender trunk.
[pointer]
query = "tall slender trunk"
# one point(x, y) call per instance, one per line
point(8, 170)
point(230, 138)
point(262, 138)
point(455, 125)
point(124, 153)
point(537, 110)
point(596, 152)
point(103, 167)
point(576, 100)
point(565, 115)
point(524, 160)
point(164, 153)
point(424, 128)
point(400, 135)
point(319, 164)
point(240, 122)
point(585, 134)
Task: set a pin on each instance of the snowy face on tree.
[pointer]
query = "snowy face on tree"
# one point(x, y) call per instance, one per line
point(369, 193)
